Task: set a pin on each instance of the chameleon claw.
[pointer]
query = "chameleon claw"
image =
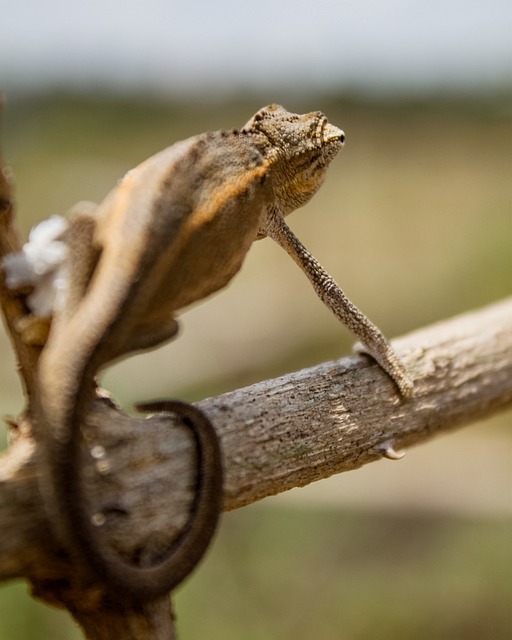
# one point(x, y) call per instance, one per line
point(389, 452)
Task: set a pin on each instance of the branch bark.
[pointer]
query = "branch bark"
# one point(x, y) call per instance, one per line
point(275, 435)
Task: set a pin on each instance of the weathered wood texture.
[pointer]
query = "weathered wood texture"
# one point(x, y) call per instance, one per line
point(275, 435)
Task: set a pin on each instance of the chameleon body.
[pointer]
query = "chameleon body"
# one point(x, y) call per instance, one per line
point(174, 230)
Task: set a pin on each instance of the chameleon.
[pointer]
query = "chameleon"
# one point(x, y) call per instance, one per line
point(174, 230)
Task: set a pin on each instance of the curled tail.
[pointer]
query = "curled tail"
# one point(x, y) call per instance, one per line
point(85, 541)
point(67, 367)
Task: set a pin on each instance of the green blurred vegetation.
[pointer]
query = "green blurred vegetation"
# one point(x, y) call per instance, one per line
point(285, 574)
point(415, 221)
point(295, 574)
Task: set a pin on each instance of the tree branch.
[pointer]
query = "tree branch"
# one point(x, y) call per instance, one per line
point(338, 416)
point(275, 435)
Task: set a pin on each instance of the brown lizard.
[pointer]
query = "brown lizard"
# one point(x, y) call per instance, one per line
point(174, 230)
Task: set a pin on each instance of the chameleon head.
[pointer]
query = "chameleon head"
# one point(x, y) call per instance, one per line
point(301, 148)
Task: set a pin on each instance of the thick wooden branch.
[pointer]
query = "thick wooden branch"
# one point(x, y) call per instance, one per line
point(275, 435)
point(340, 415)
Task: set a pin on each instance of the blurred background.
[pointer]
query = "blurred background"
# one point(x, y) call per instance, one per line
point(414, 221)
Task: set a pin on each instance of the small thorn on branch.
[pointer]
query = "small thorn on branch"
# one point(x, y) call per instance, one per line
point(388, 451)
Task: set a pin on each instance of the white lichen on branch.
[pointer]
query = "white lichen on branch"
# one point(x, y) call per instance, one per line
point(39, 265)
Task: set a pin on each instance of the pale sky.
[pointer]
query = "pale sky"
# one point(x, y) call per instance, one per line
point(222, 44)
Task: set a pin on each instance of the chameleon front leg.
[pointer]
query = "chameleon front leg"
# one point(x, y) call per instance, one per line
point(335, 299)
